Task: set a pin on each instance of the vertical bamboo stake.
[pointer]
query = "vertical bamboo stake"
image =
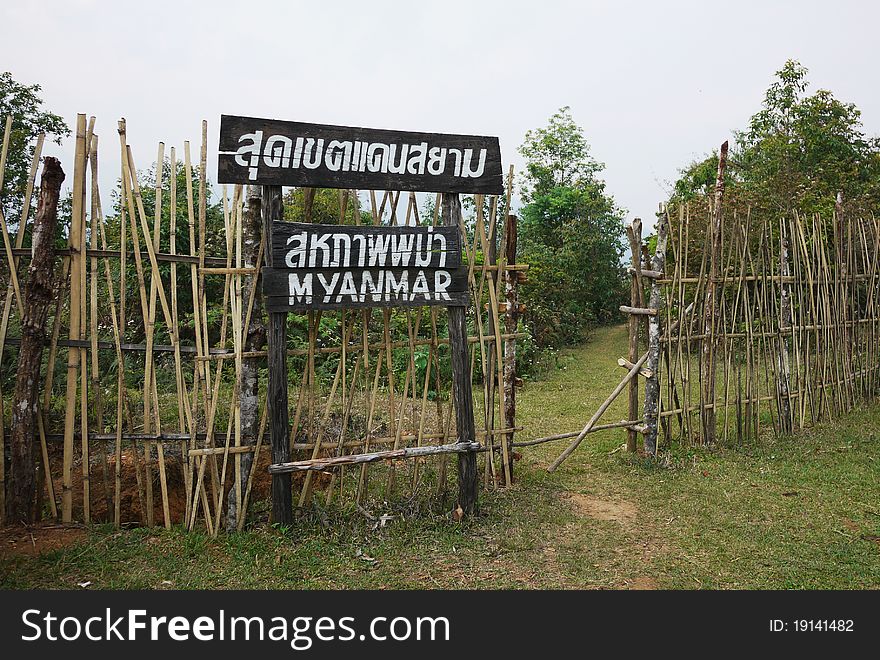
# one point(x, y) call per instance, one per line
point(95, 223)
point(73, 354)
point(120, 335)
point(784, 344)
point(120, 359)
point(634, 233)
point(710, 309)
point(83, 363)
point(511, 319)
point(200, 365)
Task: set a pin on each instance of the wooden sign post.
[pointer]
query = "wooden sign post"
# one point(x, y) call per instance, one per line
point(310, 267)
point(276, 396)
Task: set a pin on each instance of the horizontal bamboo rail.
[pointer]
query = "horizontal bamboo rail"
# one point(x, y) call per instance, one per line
point(320, 464)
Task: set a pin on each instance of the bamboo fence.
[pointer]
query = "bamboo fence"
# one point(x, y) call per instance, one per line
point(790, 335)
point(145, 426)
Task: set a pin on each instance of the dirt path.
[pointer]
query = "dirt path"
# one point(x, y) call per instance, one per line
point(610, 531)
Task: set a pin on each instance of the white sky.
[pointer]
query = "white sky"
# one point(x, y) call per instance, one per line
point(654, 84)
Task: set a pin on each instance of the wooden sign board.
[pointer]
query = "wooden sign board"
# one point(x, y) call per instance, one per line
point(339, 266)
point(287, 153)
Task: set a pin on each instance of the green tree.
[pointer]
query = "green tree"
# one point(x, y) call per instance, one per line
point(571, 235)
point(24, 105)
point(797, 152)
point(326, 204)
point(557, 155)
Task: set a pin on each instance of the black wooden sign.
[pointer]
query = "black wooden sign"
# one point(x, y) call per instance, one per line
point(337, 266)
point(287, 153)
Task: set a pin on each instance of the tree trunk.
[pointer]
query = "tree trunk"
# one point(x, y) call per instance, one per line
point(37, 295)
point(254, 340)
point(783, 367)
point(652, 383)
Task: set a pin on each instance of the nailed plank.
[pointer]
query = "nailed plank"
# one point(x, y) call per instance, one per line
point(287, 153)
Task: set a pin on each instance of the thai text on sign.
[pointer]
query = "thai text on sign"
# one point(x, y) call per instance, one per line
point(273, 152)
point(335, 266)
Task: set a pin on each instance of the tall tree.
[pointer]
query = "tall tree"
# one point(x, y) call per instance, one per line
point(571, 234)
point(797, 152)
point(24, 105)
point(557, 156)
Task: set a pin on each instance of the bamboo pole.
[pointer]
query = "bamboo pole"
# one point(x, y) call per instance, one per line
point(710, 308)
point(95, 229)
point(73, 355)
point(602, 408)
point(634, 233)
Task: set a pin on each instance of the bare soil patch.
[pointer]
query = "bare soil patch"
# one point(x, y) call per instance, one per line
point(31, 541)
point(643, 583)
point(598, 508)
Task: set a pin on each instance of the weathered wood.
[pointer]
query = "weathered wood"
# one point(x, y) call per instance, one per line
point(273, 152)
point(301, 245)
point(319, 464)
point(783, 364)
point(643, 272)
point(38, 294)
point(276, 395)
point(305, 289)
point(634, 233)
point(595, 418)
point(339, 267)
point(627, 424)
point(627, 364)
point(461, 376)
point(652, 382)
point(12, 292)
point(638, 311)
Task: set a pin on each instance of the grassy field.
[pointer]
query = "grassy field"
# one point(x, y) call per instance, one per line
point(799, 513)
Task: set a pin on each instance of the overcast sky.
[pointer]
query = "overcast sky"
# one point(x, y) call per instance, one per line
point(653, 84)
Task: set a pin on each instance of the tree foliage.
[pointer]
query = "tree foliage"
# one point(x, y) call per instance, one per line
point(571, 236)
point(797, 152)
point(24, 105)
point(326, 205)
point(557, 156)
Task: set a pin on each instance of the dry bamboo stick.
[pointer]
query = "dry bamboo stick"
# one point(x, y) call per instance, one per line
point(322, 464)
point(95, 229)
point(73, 355)
point(595, 418)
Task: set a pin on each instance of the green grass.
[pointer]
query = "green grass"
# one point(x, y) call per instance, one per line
point(797, 513)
